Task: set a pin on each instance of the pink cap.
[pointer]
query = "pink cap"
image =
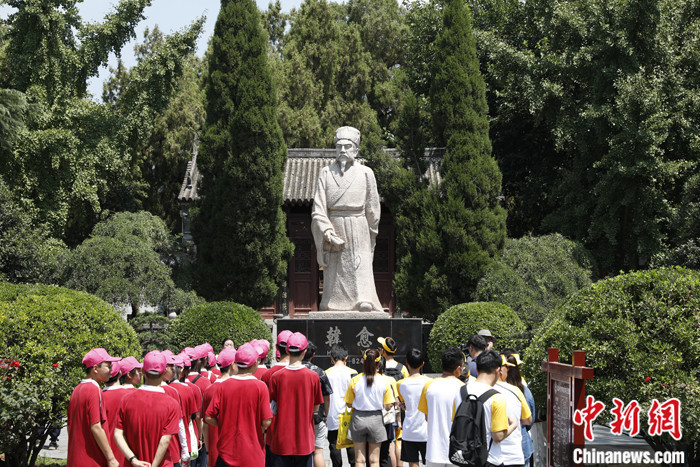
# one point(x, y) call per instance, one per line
point(178, 360)
point(202, 351)
point(282, 337)
point(211, 359)
point(186, 360)
point(97, 356)
point(208, 346)
point(167, 353)
point(116, 367)
point(169, 358)
point(154, 363)
point(262, 346)
point(246, 355)
point(297, 342)
point(128, 364)
point(227, 357)
point(190, 352)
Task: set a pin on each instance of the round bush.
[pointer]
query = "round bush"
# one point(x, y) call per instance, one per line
point(641, 334)
point(459, 323)
point(213, 322)
point(534, 275)
point(44, 333)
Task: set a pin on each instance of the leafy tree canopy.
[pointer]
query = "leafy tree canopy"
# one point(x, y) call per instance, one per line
point(535, 275)
point(70, 156)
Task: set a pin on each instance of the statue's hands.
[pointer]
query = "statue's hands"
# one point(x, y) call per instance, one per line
point(333, 239)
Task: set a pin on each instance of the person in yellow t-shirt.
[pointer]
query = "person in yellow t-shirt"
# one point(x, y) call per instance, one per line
point(499, 425)
point(516, 406)
point(437, 403)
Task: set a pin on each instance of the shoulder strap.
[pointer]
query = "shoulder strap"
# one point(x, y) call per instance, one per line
point(485, 396)
point(463, 393)
point(196, 378)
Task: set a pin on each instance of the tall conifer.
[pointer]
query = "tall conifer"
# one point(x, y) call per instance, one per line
point(240, 227)
point(467, 228)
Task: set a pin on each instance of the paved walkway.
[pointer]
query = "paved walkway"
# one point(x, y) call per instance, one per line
point(62, 451)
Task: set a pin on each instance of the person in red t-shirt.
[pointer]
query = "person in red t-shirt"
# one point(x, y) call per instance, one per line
point(282, 361)
point(148, 418)
point(240, 409)
point(263, 348)
point(112, 396)
point(295, 396)
point(211, 432)
point(88, 445)
point(179, 449)
point(188, 402)
point(131, 374)
point(198, 399)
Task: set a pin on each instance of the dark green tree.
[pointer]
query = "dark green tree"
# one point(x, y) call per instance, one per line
point(466, 226)
point(594, 105)
point(240, 227)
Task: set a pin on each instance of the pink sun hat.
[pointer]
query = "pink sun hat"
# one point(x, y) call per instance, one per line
point(154, 363)
point(211, 359)
point(282, 338)
point(116, 368)
point(129, 363)
point(246, 355)
point(97, 356)
point(227, 357)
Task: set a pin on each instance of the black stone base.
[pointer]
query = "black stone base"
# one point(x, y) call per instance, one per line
point(356, 335)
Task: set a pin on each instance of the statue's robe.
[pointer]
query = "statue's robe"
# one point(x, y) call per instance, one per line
point(349, 205)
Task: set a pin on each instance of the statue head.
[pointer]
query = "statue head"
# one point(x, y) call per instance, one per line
point(347, 142)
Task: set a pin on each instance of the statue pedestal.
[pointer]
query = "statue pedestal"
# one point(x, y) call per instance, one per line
point(357, 331)
point(348, 315)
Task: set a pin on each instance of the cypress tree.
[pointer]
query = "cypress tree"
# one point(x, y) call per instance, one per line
point(239, 226)
point(467, 227)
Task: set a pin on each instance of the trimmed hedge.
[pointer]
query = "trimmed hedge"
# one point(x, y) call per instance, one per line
point(42, 326)
point(641, 334)
point(459, 323)
point(213, 322)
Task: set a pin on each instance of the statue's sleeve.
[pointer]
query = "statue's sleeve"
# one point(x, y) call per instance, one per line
point(373, 207)
point(319, 217)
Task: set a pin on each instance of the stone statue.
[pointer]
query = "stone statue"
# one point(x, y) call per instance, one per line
point(344, 223)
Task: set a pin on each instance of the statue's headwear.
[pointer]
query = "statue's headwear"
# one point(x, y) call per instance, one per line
point(349, 133)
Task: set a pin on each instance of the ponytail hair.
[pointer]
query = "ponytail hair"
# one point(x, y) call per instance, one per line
point(514, 377)
point(370, 365)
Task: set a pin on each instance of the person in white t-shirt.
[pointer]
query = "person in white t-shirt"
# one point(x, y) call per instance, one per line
point(516, 407)
point(339, 376)
point(415, 426)
point(367, 394)
point(437, 403)
point(498, 425)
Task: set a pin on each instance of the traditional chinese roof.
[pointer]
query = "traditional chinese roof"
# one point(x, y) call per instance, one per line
point(301, 173)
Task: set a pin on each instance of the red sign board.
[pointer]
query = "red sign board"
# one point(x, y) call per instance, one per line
point(566, 393)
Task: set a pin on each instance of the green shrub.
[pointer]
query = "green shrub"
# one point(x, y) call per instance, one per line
point(213, 322)
point(48, 330)
point(535, 275)
point(633, 327)
point(457, 324)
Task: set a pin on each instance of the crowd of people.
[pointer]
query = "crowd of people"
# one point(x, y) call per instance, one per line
point(197, 409)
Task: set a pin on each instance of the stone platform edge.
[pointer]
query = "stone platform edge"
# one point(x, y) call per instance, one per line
point(348, 315)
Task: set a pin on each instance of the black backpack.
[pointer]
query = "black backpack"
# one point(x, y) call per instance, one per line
point(395, 372)
point(468, 434)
